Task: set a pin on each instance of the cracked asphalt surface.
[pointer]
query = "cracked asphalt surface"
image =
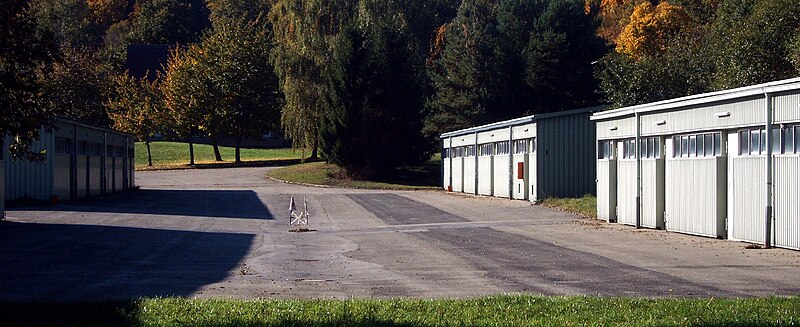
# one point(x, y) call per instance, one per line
point(224, 233)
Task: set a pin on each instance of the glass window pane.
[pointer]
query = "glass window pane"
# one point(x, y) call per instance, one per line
point(676, 147)
point(744, 143)
point(701, 149)
point(717, 144)
point(692, 146)
point(797, 139)
point(651, 147)
point(763, 141)
point(708, 150)
point(776, 140)
point(755, 143)
point(656, 147)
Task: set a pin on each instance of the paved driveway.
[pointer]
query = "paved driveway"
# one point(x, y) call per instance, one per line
point(225, 233)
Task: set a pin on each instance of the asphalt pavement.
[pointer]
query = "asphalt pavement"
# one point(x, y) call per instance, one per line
point(225, 233)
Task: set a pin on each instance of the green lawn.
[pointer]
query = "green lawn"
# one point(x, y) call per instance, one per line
point(585, 206)
point(520, 310)
point(425, 176)
point(172, 155)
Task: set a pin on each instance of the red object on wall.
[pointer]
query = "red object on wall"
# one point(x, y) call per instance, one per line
point(449, 188)
point(520, 170)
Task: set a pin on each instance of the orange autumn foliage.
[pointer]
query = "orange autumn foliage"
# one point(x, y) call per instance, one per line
point(650, 29)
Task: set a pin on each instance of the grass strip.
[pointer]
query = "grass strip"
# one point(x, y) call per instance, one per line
point(509, 310)
point(175, 155)
point(425, 176)
point(585, 206)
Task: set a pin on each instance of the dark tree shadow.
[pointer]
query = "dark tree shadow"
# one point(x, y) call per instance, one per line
point(201, 203)
point(47, 262)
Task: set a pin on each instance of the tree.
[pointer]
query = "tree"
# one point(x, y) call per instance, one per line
point(651, 28)
point(502, 59)
point(465, 81)
point(168, 21)
point(136, 107)
point(76, 86)
point(243, 98)
point(181, 90)
point(71, 22)
point(22, 53)
point(304, 31)
point(373, 67)
point(762, 51)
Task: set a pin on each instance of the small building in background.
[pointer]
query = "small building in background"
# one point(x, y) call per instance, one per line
point(724, 164)
point(528, 158)
point(80, 161)
point(147, 60)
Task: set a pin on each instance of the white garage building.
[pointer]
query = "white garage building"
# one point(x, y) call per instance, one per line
point(527, 158)
point(722, 164)
point(81, 161)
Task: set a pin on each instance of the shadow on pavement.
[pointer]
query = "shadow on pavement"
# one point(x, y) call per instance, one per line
point(202, 203)
point(46, 262)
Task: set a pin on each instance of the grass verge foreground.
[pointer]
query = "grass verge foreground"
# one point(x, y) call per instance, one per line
point(512, 310)
point(425, 176)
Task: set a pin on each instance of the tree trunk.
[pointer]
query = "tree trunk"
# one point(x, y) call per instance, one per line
point(239, 146)
point(314, 150)
point(217, 156)
point(149, 155)
point(191, 152)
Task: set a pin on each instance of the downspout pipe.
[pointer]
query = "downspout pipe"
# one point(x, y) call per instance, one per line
point(768, 172)
point(637, 148)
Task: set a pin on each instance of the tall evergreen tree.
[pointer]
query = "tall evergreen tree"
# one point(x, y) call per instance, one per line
point(463, 70)
point(378, 96)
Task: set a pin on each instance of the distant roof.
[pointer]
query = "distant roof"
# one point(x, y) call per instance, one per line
point(147, 59)
point(520, 121)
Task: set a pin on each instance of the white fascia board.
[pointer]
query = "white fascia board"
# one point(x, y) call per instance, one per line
point(704, 98)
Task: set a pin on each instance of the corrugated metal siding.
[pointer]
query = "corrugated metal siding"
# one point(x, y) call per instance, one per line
point(786, 107)
point(520, 186)
point(696, 196)
point(747, 199)
point(118, 173)
point(445, 173)
point(458, 174)
point(532, 188)
point(469, 175)
point(109, 174)
point(616, 129)
point(82, 187)
point(494, 135)
point(25, 179)
point(524, 131)
point(61, 176)
point(743, 112)
point(607, 190)
point(787, 201)
point(626, 192)
point(653, 193)
point(445, 164)
point(485, 175)
point(566, 150)
point(95, 183)
point(132, 172)
point(501, 175)
point(463, 140)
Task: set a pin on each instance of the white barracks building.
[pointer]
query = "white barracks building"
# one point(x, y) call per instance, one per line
point(724, 164)
point(527, 158)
